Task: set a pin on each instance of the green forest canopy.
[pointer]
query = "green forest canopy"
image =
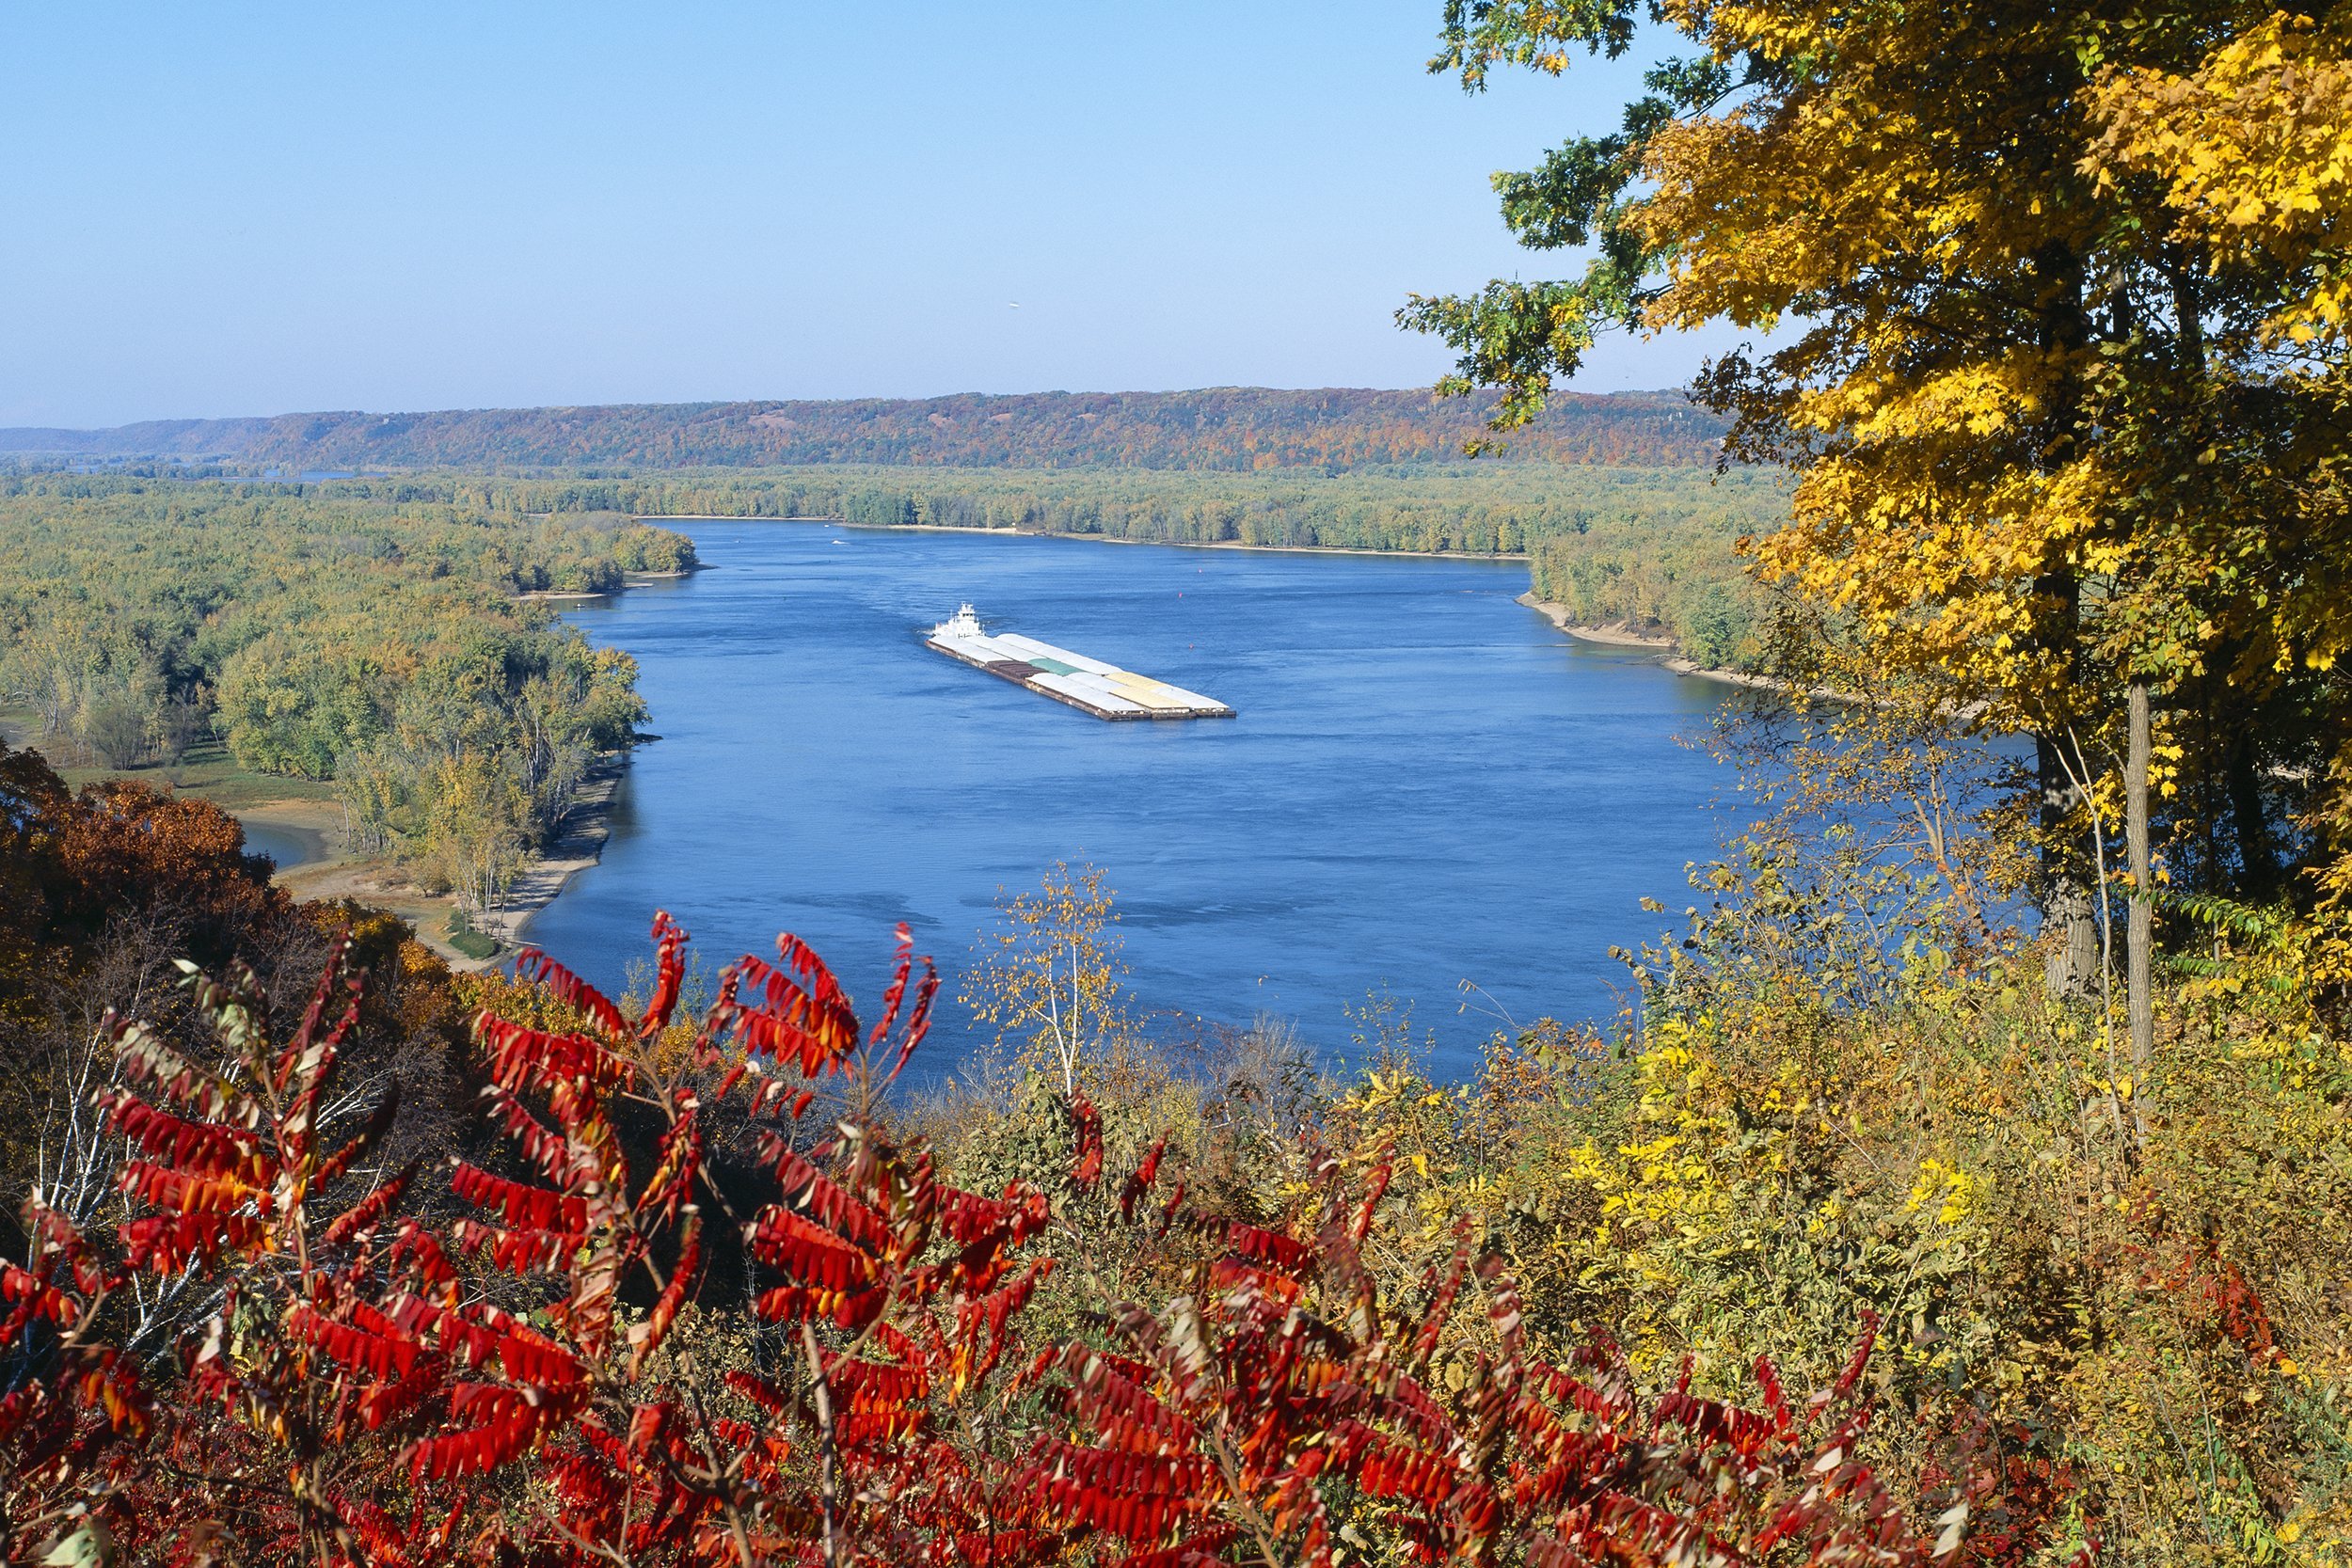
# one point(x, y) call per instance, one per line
point(382, 644)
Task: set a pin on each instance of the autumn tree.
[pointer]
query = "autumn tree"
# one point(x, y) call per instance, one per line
point(2243, 164)
point(1050, 980)
point(476, 830)
point(2059, 372)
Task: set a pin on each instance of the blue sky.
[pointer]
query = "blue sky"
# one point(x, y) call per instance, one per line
point(234, 209)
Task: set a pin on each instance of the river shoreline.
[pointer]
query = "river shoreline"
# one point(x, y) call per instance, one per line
point(1094, 538)
point(576, 843)
point(628, 581)
point(1621, 636)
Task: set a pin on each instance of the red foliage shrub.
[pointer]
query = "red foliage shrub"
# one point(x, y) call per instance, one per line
point(294, 1386)
point(359, 1388)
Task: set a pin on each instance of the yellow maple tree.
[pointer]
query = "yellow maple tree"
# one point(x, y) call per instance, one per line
point(2052, 303)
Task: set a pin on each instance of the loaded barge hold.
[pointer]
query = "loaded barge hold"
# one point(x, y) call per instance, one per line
point(1085, 684)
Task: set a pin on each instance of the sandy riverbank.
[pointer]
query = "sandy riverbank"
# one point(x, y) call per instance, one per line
point(332, 874)
point(570, 596)
point(1623, 636)
point(579, 843)
point(329, 873)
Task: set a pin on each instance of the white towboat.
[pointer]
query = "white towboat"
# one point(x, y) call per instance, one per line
point(965, 622)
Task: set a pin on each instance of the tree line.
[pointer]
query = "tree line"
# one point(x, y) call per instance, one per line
point(1649, 546)
point(1653, 548)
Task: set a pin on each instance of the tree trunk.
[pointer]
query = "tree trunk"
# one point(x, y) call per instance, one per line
point(2140, 932)
point(2072, 968)
point(2063, 325)
point(2258, 862)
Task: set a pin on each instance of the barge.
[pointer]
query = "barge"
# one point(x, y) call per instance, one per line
point(1085, 684)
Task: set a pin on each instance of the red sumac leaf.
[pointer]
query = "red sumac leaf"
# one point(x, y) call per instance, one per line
point(532, 964)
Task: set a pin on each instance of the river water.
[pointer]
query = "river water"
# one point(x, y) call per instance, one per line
point(285, 849)
point(1427, 784)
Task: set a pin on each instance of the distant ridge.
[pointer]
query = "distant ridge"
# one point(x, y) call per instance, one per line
point(188, 438)
point(1217, 428)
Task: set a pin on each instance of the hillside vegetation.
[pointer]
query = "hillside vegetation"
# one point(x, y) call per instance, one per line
point(1837, 1245)
point(1229, 428)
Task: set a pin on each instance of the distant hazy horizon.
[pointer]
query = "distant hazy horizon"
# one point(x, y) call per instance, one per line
point(1212, 428)
point(255, 206)
point(689, 403)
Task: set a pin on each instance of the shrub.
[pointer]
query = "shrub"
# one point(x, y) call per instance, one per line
point(552, 1378)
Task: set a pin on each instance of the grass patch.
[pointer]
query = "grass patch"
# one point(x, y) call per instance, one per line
point(206, 771)
point(463, 937)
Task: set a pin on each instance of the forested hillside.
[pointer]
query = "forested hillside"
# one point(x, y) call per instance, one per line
point(377, 644)
point(1232, 428)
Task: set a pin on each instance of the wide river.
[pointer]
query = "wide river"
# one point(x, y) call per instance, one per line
point(1427, 784)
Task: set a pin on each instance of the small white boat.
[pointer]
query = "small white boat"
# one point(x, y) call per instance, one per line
point(965, 622)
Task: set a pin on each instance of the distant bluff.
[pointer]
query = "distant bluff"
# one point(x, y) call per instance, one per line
point(1232, 428)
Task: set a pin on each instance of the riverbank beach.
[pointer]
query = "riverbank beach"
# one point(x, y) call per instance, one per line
point(1622, 635)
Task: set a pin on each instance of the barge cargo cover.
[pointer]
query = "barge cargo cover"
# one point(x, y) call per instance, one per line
point(1088, 685)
